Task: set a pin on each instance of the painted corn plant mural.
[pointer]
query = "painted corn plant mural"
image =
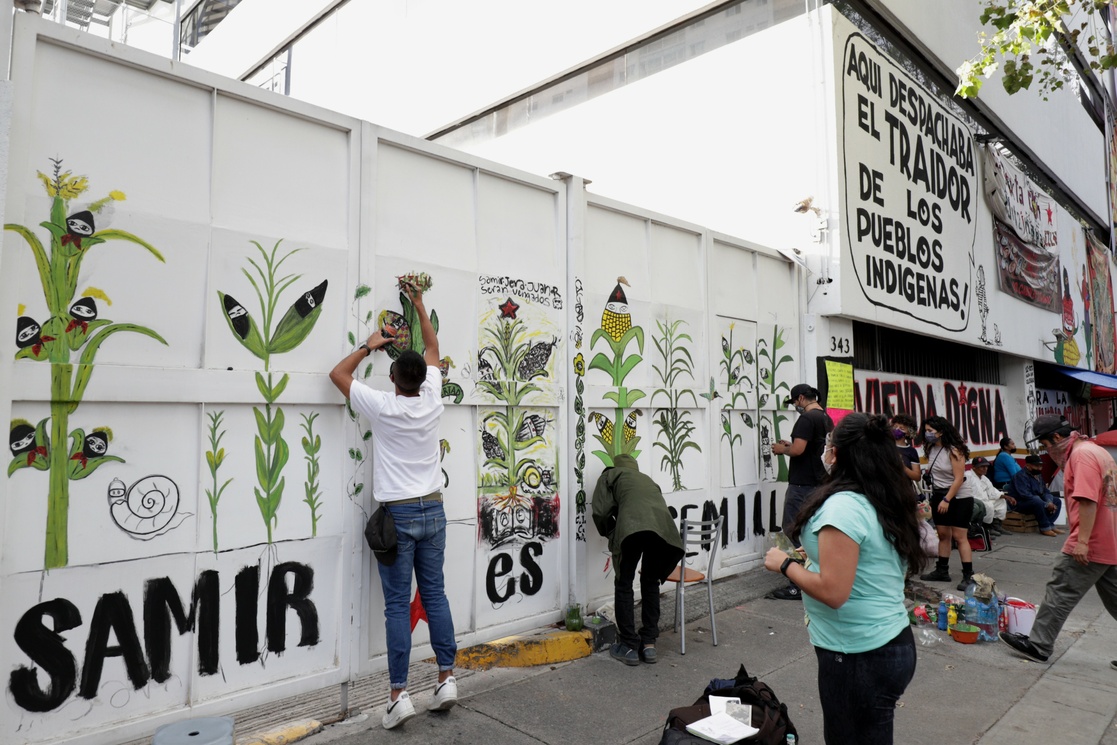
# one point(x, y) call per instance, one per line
point(518, 485)
point(75, 328)
point(674, 425)
point(312, 445)
point(736, 364)
point(769, 359)
point(269, 284)
point(617, 332)
point(355, 484)
point(408, 336)
point(215, 457)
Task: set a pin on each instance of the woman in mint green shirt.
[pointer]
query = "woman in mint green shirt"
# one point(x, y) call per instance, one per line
point(861, 532)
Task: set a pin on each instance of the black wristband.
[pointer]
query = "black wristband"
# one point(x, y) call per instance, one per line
point(367, 348)
point(786, 563)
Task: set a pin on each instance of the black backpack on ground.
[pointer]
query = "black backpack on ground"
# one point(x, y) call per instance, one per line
point(768, 714)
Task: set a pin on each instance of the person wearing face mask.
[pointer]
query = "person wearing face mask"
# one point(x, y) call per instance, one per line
point(1028, 494)
point(1004, 465)
point(902, 428)
point(951, 496)
point(805, 469)
point(860, 530)
point(989, 495)
point(1090, 553)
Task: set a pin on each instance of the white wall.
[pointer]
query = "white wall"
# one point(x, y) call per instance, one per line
point(97, 540)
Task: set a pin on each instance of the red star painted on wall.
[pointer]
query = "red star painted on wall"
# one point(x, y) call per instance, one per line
point(508, 309)
point(1050, 216)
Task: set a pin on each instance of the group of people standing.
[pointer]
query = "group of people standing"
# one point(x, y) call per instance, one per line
point(850, 508)
point(859, 526)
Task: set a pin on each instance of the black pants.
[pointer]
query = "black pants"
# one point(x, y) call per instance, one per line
point(649, 546)
point(858, 692)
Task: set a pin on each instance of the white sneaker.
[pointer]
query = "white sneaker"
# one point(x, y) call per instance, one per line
point(445, 695)
point(399, 711)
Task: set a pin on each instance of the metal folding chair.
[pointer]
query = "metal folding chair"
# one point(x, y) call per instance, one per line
point(696, 533)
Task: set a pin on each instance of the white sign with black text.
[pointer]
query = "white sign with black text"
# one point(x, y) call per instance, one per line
point(910, 189)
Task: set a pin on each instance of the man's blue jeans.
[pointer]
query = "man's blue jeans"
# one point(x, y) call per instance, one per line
point(1031, 505)
point(421, 531)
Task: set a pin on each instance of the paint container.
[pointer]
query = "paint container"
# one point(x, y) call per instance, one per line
point(1021, 616)
point(574, 620)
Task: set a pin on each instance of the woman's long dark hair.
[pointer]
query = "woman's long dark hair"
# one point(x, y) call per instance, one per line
point(948, 436)
point(867, 461)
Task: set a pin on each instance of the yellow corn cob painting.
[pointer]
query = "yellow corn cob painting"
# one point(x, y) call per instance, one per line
point(616, 319)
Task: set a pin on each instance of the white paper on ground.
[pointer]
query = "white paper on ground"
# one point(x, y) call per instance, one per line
point(721, 728)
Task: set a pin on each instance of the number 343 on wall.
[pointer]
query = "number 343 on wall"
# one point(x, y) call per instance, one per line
point(841, 345)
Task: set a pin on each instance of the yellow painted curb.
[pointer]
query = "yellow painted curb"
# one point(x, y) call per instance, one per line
point(290, 732)
point(527, 651)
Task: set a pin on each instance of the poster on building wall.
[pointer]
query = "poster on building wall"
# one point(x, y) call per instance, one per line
point(1025, 271)
point(1111, 153)
point(1063, 404)
point(1019, 202)
point(910, 190)
point(1100, 297)
point(978, 410)
point(1030, 398)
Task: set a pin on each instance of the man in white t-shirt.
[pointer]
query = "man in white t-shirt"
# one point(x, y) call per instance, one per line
point(406, 479)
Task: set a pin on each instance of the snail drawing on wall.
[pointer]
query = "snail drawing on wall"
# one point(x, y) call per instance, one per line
point(146, 509)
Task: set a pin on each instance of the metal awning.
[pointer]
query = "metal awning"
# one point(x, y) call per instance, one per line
point(1101, 384)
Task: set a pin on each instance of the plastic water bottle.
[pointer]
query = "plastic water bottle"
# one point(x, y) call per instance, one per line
point(791, 739)
point(971, 606)
point(942, 615)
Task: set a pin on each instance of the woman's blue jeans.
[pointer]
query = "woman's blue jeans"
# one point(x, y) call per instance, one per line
point(421, 531)
point(858, 692)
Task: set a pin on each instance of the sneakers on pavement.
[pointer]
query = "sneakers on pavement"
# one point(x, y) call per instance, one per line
point(398, 712)
point(936, 575)
point(791, 592)
point(1049, 533)
point(648, 655)
point(1021, 644)
point(445, 695)
point(625, 654)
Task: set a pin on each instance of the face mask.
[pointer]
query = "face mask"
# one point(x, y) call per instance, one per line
point(930, 438)
point(899, 434)
point(1058, 451)
point(799, 409)
point(827, 464)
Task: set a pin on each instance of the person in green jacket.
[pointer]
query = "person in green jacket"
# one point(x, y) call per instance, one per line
point(629, 509)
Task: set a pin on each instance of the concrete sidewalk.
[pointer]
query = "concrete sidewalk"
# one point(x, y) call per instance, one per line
point(979, 693)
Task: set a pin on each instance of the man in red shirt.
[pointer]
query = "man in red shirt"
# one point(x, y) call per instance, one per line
point(1090, 553)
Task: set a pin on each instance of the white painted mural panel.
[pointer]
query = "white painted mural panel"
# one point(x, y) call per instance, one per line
point(184, 497)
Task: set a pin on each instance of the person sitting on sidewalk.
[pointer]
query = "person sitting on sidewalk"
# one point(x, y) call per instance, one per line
point(629, 509)
point(1028, 494)
point(1090, 553)
point(1004, 465)
point(989, 495)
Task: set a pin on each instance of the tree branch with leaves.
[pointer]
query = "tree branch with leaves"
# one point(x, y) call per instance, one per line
point(1048, 42)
